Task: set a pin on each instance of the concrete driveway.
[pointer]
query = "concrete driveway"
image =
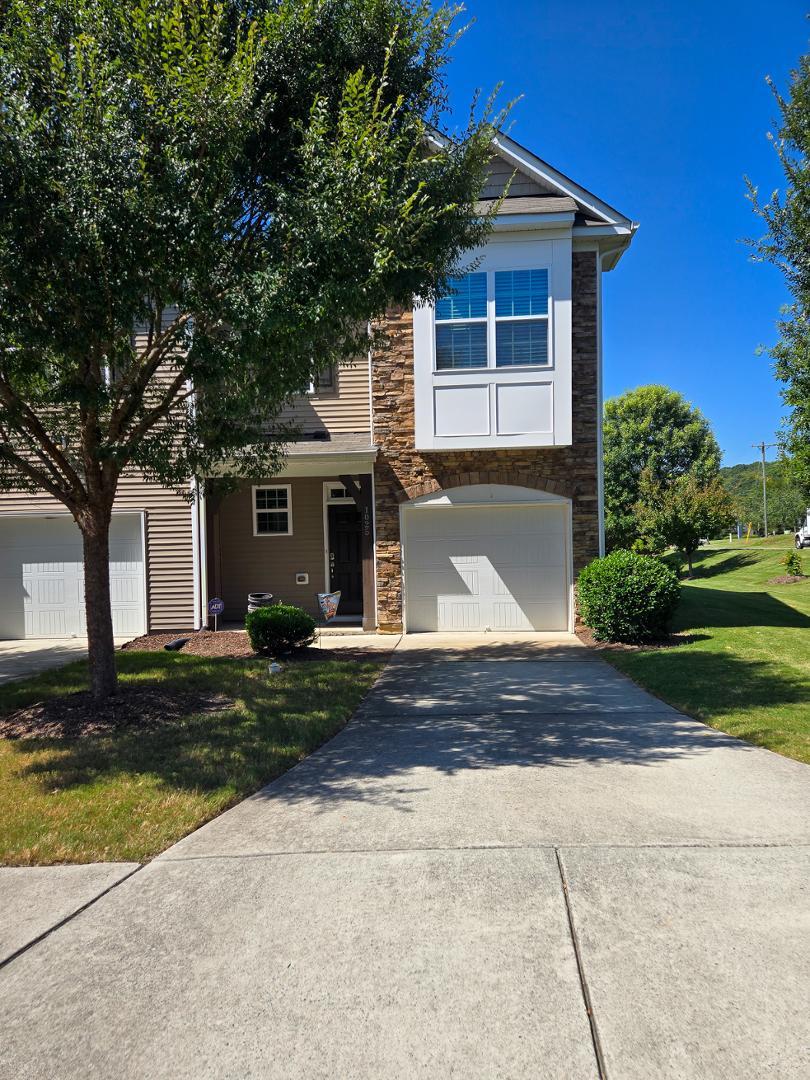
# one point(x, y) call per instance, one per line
point(512, 863)
point(30, 656)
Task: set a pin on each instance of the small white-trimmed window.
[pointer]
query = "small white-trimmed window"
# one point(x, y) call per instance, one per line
point(272, 510)
point(325, 382)
point(492, 319)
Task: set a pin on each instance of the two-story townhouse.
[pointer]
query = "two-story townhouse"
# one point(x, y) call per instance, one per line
point(450, 481)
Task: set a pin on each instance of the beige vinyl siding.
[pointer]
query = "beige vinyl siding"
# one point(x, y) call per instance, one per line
point(498, 175)
point(344, 410)
point(246, 563)
point(169, 547)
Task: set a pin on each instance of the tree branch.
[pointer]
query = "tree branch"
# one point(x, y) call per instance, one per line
point(36, 430)
point(171, 397)
point(130, 393)
point(41, 479)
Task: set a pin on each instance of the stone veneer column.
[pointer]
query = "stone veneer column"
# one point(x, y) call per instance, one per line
point(401, 473)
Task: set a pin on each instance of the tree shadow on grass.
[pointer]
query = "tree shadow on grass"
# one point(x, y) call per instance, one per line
point(713, 684)
point(733, 561)
point(375, 759)
point(722, 607)
point(273, 725)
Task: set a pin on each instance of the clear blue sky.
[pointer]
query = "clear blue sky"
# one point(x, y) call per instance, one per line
point(660, 108)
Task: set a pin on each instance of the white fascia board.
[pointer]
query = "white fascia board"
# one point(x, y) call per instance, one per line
point(611, 241)
point(528, 162)
point(531, 164)
point(326, 464)
point(623, 232)
point(525, 222)
point(321, 463)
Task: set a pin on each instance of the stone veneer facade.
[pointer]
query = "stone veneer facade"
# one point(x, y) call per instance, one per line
point(402, 473)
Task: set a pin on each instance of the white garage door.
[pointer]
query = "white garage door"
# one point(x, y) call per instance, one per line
point(486, 567)
point(42, 577)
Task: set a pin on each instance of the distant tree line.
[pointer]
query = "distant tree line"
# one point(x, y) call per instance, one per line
point(786, 501)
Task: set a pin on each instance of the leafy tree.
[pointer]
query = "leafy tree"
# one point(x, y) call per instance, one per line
point(787, 245)
point(246, 185)
point(681, 513)
point(650, 429)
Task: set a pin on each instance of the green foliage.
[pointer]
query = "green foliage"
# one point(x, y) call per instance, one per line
point(655, 430)
point(627, 597)
point(786, 503)
point(248, 185)
point(203, 204)
point(681, 513)
point(279, 628)
point(786, 245)
point(793, 565)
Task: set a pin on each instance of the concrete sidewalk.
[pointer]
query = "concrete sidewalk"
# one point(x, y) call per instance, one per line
point(508, 835)
point(30, 656)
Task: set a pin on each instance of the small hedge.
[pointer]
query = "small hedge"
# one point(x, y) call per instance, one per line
point(628, 597)
point(279, 628)
point(792, 563)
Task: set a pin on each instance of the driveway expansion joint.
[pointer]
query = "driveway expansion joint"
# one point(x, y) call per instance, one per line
point(66, 919)
point(583, 982)
point(550, 845)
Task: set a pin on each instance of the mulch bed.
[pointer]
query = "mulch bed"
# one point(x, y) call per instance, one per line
point(788, 579)
point(585, 635)
point(235, 645)
point(74, 716)
point(229, 643)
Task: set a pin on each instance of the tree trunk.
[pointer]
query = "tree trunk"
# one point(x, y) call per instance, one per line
point(100, 643)
point(691, 572)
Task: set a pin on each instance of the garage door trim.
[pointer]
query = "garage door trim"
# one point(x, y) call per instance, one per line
point(504, 496)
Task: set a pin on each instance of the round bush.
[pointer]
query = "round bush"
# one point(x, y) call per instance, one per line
point(792, 563)
point(279, 628)
point(628, 597)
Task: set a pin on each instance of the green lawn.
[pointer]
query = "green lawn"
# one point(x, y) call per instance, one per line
point(747, 669)
point(129, 795)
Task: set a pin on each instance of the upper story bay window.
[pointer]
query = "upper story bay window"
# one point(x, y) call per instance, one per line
point(493, 359)
point(497, 318)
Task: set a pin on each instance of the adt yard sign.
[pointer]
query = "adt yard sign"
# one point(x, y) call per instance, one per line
point(215, 608)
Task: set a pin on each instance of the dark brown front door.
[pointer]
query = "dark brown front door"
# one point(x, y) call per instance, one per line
point(345, 562)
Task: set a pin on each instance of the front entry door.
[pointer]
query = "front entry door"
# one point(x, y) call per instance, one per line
point(345, 561)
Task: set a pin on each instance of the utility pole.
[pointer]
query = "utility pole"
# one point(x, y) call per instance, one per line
point(762, 447)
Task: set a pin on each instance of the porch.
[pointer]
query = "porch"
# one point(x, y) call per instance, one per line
point(305, 531)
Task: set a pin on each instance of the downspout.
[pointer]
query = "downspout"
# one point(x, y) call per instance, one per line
point(203, 531)
point(195, 551)
point(600, 463)
point(373, 487)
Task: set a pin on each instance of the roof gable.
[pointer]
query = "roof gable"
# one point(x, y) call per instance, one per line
point(533, 176)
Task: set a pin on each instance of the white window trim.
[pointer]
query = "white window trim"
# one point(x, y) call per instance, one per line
point(337, 500)
point(315, 390)
point(256, 511)
point(491, 321)
point(512, 252)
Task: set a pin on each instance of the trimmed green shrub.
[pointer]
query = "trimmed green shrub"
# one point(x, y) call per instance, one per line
point(792, 563)
point(628, 597)
point(279, 628)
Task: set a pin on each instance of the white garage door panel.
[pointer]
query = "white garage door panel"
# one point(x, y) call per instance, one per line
point(480, 568)
point(42, 577)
